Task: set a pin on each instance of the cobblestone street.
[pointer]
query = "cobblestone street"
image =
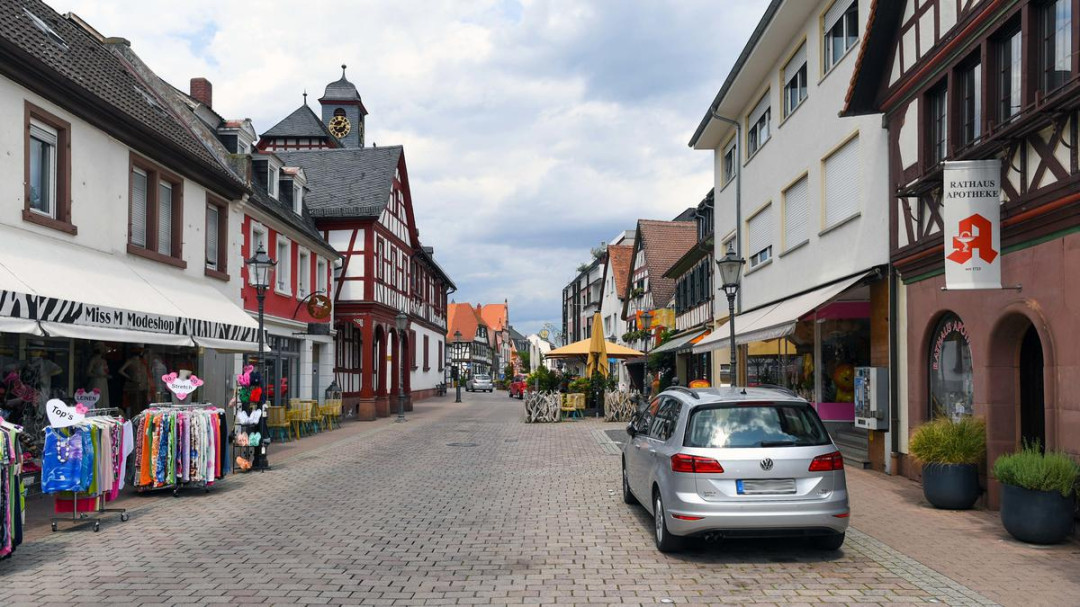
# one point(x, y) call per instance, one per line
point(464, 504)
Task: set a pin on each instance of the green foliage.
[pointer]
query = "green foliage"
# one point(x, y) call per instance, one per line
point(525, 364)
point(632, 336)
point(548, 381)
point(579, 385)
point(1032, 469)
point(508, 372)
point(944, 441)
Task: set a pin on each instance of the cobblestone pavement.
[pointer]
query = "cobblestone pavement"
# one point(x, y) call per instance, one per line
point(464, 504)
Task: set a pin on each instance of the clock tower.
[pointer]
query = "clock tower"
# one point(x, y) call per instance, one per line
point(343, 112)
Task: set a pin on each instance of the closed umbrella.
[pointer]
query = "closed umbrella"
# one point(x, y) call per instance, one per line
point(598, 357)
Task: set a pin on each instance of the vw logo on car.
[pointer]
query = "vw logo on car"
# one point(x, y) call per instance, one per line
point(766, 464)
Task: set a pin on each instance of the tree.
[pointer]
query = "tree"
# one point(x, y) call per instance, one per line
point(524, 356)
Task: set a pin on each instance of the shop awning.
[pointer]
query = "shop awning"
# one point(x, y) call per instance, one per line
point(61, 283)
point(677, 343)
point(18, 325)
point(58, 329)
point(775, 320)
point(230, 346)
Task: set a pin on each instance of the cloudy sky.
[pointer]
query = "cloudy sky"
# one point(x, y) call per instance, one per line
point(533, 130)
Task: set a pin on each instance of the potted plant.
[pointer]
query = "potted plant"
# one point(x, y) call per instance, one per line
point(950, 451)
point(1038, 497)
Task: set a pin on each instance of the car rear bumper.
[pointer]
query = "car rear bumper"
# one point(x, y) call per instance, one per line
point(761, 519)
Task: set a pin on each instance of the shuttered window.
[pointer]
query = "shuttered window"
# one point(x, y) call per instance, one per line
point(760, 234)
point(212, 215)
point(797, 213)
point(138, 207)
point(843, 183)
point(165, 217)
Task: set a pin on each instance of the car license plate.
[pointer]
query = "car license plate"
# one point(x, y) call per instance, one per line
point(768, 486)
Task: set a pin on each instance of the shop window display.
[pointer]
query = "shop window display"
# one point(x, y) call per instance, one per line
point(845, 344)
point(951, 380)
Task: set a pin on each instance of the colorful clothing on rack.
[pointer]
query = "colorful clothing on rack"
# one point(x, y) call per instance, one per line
point(80, 463)
point(11, 492)
point(178, 446)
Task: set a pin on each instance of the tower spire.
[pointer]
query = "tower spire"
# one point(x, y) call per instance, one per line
point(342, 71)
point(305, 96)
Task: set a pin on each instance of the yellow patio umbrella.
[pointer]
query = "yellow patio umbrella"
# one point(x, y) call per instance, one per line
point(581, 348)
point(598, 359)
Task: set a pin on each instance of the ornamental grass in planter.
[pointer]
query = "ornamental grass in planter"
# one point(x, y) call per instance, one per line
point(1038, 498)
point(950, 451)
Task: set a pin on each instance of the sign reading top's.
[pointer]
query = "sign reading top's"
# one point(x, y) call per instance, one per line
point(51, 309)
point(972, 201)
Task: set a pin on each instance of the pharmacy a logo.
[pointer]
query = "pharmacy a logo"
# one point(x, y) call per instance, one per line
point(976, 234)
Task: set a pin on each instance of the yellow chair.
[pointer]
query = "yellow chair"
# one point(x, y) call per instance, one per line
point(300, 417)
point(278, 422)
point(331, 413)
point(567, 408)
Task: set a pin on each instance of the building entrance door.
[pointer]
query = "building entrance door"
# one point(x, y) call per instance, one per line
point(1032, 405)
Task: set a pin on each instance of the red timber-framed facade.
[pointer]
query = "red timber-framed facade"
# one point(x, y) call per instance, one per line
point(970, 80)
point(362, 206)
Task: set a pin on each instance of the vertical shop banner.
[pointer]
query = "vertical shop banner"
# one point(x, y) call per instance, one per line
point(972, 215)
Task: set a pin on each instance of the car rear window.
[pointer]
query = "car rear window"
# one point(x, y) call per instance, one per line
point(755, 425)
point(483, 377)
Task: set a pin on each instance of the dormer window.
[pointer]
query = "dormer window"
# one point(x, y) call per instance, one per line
point(298, 199)
point(272, 180)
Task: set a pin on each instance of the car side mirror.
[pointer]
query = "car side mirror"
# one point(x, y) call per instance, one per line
point(631, 430)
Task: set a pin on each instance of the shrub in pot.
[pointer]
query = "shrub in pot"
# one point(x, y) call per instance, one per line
point(950, 451)
point(1038, 498)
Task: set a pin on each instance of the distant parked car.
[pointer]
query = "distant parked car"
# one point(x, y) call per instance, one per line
point(721, 462)
point(479, 383)
point(518, 387)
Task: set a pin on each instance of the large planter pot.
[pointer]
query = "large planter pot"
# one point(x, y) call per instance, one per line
point(1036, 517)
point(951, 486)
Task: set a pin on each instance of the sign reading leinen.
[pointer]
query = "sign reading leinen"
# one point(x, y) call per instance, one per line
point(972, 201)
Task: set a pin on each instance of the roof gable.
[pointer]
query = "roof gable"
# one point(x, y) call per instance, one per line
point(347, 182)
point(495, 315)
point(664, 243)
point(619, 257)
point(301, 123)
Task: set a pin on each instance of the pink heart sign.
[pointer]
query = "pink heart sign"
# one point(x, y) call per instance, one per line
point(87, 398)
point(181, 387)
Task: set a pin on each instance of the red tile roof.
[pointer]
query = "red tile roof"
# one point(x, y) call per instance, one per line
point(495, 315)
point(619, 256)
point(665, 242)
point(465, 318)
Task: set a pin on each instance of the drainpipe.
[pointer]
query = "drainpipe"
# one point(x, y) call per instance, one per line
point(738, 189)
point(894, 374)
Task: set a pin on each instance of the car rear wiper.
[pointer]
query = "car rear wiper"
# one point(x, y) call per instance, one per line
point(776, 443)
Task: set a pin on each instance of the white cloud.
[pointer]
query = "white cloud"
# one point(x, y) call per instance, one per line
point(533, 129)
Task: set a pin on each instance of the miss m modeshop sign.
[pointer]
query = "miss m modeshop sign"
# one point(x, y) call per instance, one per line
point(50, 309)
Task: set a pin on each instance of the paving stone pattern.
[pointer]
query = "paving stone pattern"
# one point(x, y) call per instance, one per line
point(394, 516)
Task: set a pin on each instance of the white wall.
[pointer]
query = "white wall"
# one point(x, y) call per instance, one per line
point(427, 380)
point(798, 145)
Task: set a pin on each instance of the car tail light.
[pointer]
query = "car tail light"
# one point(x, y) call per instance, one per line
point(827, 462)
point(683, 517)
point(681, 462)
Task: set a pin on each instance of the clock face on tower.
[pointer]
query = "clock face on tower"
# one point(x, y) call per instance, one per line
point(339, 126)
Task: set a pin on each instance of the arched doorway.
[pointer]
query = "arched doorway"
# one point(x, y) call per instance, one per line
point(378, 354)
point(1032, 402)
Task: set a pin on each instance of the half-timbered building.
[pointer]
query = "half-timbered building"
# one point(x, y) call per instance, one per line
point(361, 203)
point(975, 80)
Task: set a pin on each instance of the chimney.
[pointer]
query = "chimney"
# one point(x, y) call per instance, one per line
point(202, 91)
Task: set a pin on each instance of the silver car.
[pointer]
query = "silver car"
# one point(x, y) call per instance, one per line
point(732, 462)
point(479, 383)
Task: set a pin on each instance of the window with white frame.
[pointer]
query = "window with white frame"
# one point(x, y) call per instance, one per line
point(797, 213)
point(154, 213)
point(283, 269)
point(272, 180)
point(731, 162)
point(320, 276)
point(303, 273)
point(795, 81)
point(843, 183)
point(759, 230)
point(217, 237)
point(841, 27)
point(298, 199)
point(758, 124)
point(43, 142)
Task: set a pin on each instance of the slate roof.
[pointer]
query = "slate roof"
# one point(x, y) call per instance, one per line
point(341, 90)
point(347, 182)
point(619, 256)
point(665, 242)
point(301, 123)
point(97, 81)
point(304, 224)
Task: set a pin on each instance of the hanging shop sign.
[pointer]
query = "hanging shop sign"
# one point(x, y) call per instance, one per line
point(318, 306)
point(61, 415)
point(972, 201)
point(181, 386)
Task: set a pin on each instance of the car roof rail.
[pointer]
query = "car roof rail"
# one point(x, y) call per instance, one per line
point(684, 390)
point(787, 391)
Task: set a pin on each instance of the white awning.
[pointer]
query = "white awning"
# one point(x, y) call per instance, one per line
point(229, 345)
point(61, 283)
point(59, 329)
point(19, 325)
point(775, 320)
point(676, 343)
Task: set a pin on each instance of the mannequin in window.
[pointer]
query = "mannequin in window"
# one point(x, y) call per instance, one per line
point(136, 385)
point(158, 368)
point(97, 373)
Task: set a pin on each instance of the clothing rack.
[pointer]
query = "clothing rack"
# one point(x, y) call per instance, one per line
point(82, 518)
point(179, 484)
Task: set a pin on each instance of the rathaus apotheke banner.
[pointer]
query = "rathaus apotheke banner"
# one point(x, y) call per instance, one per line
point(972, 201)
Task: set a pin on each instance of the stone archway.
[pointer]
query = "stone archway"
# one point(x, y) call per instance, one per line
point(1019, 386)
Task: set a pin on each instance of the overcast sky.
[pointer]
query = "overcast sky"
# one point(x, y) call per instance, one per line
point(532, 130)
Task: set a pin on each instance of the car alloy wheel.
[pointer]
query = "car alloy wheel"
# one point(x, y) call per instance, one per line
point(665, 542)
point(627, 494)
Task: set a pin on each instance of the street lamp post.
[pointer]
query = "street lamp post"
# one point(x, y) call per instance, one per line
point(261, 267)
point(402, 321)
point(646, 324)
point(457, 366)
point(731, 266)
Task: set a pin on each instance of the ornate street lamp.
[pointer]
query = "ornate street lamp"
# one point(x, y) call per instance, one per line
point(261, 268)
point(731, 266)
point(402, 321)
point(457, 366)
point(646, 324)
